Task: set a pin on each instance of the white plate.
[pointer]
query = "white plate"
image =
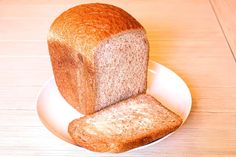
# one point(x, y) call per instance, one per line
point(163, 84)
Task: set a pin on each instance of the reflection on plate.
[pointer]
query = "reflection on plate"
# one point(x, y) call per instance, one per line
point(163, 84)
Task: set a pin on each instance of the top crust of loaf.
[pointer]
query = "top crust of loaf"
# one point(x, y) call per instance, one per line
point(83, 27)
point(125, 125)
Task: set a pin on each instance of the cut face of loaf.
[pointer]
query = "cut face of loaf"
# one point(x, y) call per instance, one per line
point(128, 124)
point(121, 68)
point(99, 55)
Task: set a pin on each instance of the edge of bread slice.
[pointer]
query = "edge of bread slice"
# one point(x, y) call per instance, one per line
point(123, 126)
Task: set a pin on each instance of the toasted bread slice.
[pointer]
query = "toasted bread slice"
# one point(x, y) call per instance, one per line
point(128, 124)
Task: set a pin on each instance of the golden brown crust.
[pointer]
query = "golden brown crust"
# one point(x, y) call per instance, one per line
point(84, 26)
point(65, 69)
point(72, 37)
point(85, 134)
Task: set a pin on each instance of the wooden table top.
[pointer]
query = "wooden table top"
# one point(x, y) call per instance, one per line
point(195, 38)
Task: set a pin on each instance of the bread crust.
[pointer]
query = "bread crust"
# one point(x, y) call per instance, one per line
point(71, 40)
point(105, 143)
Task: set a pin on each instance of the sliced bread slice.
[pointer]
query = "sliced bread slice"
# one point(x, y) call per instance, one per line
point(128, 124)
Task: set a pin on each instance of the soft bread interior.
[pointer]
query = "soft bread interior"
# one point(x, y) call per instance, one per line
point(121, 67)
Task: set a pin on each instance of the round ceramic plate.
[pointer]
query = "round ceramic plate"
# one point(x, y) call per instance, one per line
point(163, 84)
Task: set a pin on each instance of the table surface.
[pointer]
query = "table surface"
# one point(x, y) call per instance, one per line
point(195, 38)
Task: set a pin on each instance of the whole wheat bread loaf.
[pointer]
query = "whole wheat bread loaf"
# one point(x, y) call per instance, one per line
point(128, 124)
point(99, 55)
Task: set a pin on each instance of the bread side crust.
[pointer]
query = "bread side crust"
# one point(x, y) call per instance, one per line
point(78, 91)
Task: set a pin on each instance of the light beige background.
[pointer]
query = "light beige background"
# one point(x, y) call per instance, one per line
point(195, 38)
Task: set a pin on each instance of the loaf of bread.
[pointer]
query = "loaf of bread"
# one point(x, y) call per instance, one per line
point(128, 124)
point(99, 55)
